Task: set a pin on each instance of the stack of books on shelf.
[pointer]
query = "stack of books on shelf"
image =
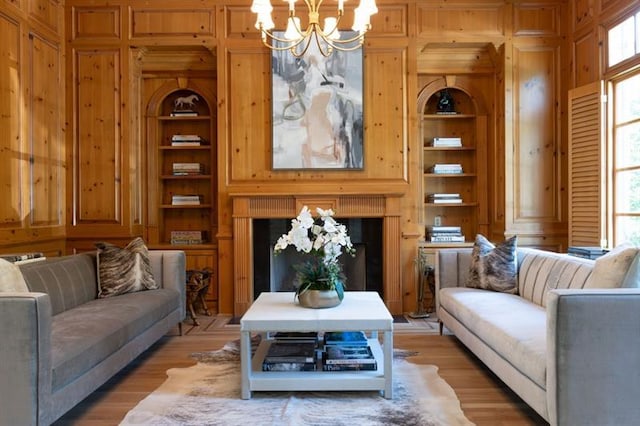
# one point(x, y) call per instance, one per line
point(188, 237)
point(447, 142)
point(186, 140)
point(187, 169)
point(444, 198)
point(587, 252)
point(446, 168)
point(23, 258)
point(184, 113)
point(292, 352)
point(186, 200)
point(347, 351)
point(444, 234)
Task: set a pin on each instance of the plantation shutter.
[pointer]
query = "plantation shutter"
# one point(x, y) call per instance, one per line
point(587, 166)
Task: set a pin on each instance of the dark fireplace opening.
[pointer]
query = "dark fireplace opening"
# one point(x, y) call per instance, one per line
point(275, 272)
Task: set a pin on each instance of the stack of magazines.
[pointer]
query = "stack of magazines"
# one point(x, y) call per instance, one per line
point(347, 351)
point(291, 352)
point(444, 234)
point(444, 198)
point(452, 142)
point(446, 169)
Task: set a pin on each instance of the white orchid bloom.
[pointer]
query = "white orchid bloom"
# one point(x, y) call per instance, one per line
point(323, 236)
point(305, 218)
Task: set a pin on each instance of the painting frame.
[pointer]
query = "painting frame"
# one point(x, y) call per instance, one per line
point(317, 109)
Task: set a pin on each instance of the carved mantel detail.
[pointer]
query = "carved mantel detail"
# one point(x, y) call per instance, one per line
point(247, 207)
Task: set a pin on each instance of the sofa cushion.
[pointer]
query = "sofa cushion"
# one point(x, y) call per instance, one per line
point(69, 281)
point(512, 326)
point(124, 270)
point(86, 335)
point(541, 271)
point(610, 270)
point(493, 267)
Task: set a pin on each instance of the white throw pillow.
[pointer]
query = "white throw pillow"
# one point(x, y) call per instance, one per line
point(11, 279)
point(611, 270)
point(632, 279)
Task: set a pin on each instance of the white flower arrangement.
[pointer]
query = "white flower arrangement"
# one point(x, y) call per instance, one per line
point(324, 239)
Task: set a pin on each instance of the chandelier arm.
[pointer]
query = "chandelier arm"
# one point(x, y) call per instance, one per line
point(289, 46)
point(359, 38)
point(326, 52)
point(345, 48)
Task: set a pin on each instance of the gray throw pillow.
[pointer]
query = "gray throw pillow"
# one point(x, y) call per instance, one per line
point(124, 270)
point(494, 267)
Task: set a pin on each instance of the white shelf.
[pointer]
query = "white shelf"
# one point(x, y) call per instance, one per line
point(316, 380)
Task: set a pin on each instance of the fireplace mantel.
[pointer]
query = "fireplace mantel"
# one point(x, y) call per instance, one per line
point(247, 207)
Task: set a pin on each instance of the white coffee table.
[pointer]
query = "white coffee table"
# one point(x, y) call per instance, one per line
point(360, 310)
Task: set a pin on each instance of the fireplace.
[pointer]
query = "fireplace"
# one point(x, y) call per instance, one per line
point(274, 272)
point(250, 209)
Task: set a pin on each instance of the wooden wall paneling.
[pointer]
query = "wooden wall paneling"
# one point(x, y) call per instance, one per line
point(15, 3)
point(31, 124)
point(586, 64)
point(46, 141)
point(249, 103)
point(12, 161)
point(97, 140)
point(49, 247)
point(47, 12)
point(537, 19)
point(385, 108)
point(136, 164)
point(537, 187)
point(95, 23)
point(183, 23)
point(392, 20)
point(582, 13)
point(461, 21)
point(496, 155)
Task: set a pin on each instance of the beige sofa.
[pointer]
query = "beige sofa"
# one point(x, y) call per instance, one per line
point(60, 342)
point(572, 354)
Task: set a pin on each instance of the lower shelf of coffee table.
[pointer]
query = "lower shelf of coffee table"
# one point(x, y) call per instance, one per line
point(316, 380)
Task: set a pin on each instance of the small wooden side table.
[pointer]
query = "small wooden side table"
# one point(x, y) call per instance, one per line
point(197, 286)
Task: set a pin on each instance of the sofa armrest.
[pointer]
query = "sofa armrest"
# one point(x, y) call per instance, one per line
point(170, 271)
point(593, 347)
point(25, 358)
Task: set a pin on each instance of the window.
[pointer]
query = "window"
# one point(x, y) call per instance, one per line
point(625, 166)
point(624, 40)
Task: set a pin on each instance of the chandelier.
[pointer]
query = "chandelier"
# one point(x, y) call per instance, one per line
point(327, 39)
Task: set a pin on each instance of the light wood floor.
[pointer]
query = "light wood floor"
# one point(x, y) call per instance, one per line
point(485, 400)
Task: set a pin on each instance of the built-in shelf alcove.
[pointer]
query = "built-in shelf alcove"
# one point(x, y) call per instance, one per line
point(250, 209)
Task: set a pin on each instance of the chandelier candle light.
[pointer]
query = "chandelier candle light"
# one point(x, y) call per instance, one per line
point(297, 40)
point(323, 239)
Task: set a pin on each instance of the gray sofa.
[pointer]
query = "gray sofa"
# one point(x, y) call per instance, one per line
point(572, 354)
point(60, 343)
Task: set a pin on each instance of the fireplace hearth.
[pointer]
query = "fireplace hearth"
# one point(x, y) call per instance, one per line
point(274, 272)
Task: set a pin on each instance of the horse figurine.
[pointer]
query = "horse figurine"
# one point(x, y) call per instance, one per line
point(186, 101)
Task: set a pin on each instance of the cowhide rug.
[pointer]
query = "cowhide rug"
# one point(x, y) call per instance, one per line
point(208, 393)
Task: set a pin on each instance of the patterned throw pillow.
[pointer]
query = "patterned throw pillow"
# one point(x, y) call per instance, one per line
point(124, 270)
point(494, 267)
